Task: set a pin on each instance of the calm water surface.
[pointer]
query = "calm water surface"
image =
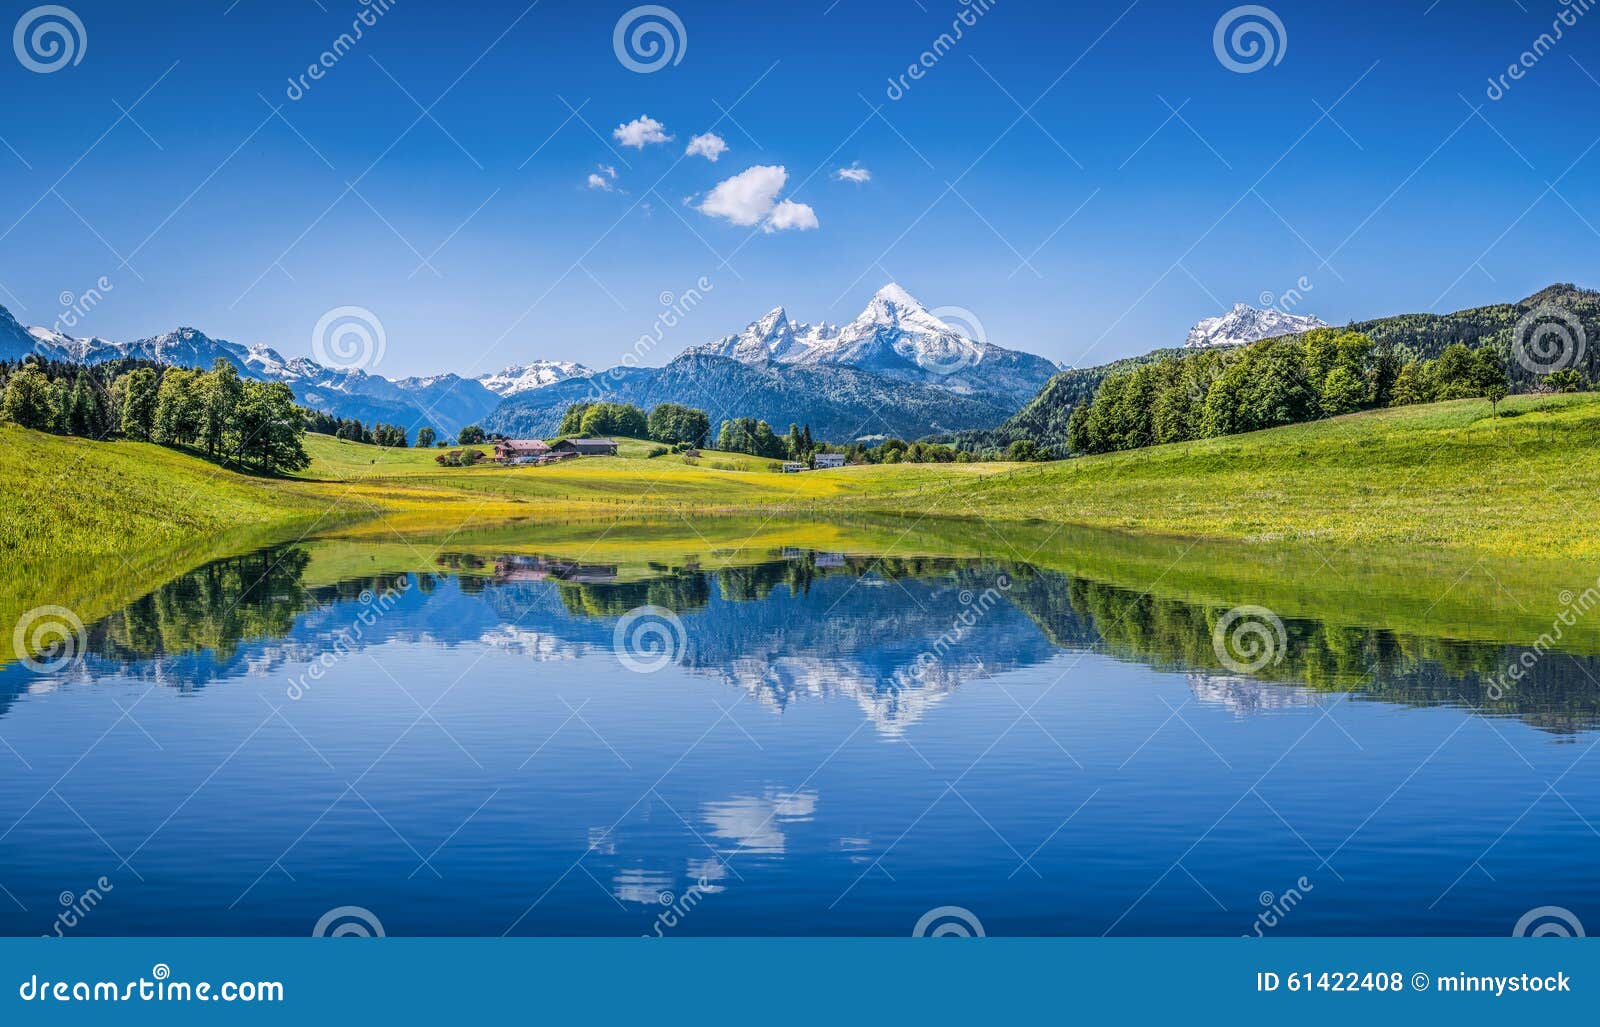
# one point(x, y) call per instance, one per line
point(811, 743)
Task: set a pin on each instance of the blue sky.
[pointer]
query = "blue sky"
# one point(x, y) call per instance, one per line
point(1096, 225)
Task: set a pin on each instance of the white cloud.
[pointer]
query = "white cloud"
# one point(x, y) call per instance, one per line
point(747, 197)
point(789, 214)
point(710, 146)
point(854, 173)
point(603, 178)
point(641, 130)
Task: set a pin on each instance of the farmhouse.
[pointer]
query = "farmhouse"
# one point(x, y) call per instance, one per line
point(520, 451)
point(824, 460)
point(793, 467)
point(586, 447)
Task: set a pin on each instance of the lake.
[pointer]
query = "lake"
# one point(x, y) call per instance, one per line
point(799, 732)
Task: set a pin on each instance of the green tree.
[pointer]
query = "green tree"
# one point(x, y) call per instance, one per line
point(425, 438)
point(1568, 379)
point(1343, 392)
point(1489, 378)
point(472, 435)
point(267, 430)
point(1414, 384)
point(220, 390)
point(177, 408)
point(29, 400)
point(136, 393)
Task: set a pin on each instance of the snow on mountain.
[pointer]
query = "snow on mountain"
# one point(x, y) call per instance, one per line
point(895, 336)
point(525, 377)
point(446, 401)
point(1244, 324)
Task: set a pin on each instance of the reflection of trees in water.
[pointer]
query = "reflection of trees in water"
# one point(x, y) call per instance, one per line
point(1560, 694)
point(814, 623)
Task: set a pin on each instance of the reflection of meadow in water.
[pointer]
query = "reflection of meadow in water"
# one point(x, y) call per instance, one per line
point(830, 742)
point(894, 635)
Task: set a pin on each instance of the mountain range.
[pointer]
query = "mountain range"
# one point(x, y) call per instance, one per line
point(897, 369)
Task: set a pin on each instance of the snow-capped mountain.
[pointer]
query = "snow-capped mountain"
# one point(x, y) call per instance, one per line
point(894, 336)
point(1244, 324)
point(447, 402)
point(525, 377)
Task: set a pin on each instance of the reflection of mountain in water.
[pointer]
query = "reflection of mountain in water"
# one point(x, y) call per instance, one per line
point(895, 636)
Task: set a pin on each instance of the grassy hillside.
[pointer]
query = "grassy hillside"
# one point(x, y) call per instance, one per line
point(1443, 476)
point(92, 524)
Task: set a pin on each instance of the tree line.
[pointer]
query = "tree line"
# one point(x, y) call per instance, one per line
point(1321, 373)
point(239, 422)
point(670, 423)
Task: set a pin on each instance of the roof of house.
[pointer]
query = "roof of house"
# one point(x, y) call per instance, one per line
point(606, 444)
point(535, 445)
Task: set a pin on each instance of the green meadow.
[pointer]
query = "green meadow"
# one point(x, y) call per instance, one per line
point(1438, 515)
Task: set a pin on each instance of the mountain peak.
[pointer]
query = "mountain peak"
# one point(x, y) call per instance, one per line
point(893, 293)
point(1245, 324)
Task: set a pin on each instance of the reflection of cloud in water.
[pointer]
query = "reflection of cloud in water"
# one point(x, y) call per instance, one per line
point(1246, 697)
point(707, 870)
point(857, 848)
point(755, 822)
point(641, 885)
point(602, 841)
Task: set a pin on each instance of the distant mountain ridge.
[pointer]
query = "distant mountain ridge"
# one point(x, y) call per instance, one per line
point(1246, 324)
point(839, 403)
point(895, 336)
point(897, 369)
